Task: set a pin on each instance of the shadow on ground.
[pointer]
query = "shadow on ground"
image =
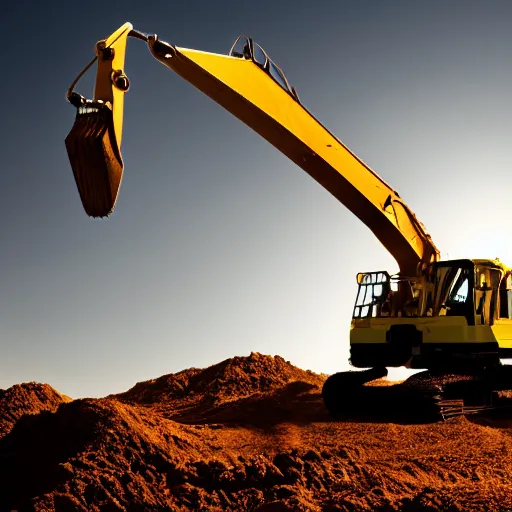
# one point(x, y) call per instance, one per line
point(302, 403)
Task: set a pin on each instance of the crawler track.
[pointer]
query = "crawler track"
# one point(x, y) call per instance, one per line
point(424, 397)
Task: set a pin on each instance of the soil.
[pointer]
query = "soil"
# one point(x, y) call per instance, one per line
point(250, 433)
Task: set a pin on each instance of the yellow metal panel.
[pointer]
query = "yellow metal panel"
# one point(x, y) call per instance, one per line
point(423, 322)
point(502, 330)
point(104, 90)
point(367, 335)
point(458, 334)
point(432, 333)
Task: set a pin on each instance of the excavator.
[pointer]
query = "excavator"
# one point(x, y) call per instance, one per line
point(443, 316)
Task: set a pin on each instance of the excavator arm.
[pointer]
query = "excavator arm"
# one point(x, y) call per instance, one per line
point(248, 84)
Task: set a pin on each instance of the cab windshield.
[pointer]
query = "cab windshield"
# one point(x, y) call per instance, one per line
point(453, 290)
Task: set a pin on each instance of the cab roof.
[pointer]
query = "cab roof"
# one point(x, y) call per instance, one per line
point(496, 263)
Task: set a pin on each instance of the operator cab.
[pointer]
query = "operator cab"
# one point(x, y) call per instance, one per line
point(478, 290)
point(245, 48)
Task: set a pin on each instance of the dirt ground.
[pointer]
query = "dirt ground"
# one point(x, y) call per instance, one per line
point(250, 433)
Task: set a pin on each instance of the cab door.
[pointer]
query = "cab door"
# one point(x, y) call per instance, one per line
point(487, 299)
point(502, 328)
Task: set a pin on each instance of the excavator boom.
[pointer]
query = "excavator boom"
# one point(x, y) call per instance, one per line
point(248, 84)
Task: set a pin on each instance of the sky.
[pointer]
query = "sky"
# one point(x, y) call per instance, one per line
point(219, 245)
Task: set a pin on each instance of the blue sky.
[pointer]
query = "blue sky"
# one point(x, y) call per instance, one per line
point(219, 245)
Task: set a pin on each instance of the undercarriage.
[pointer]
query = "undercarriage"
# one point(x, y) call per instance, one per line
point(431, 395)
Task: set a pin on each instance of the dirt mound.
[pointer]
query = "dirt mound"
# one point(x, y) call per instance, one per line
point(235, 377)
point(90, 454)
point(231, 380)
point(28, 398)
point(130, 452)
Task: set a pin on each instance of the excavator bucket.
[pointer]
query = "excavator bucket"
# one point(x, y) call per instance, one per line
point(95, 159)
point(94, 142)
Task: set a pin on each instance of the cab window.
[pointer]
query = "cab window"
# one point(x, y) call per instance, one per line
point(506, 297)
point(487, 285)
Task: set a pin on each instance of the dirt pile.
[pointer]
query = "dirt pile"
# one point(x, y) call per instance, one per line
point(233, 378)
point(247, 434)
point(227, 391)
point(28, 398)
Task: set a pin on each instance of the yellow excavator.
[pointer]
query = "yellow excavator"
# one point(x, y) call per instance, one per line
point(452, 316)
